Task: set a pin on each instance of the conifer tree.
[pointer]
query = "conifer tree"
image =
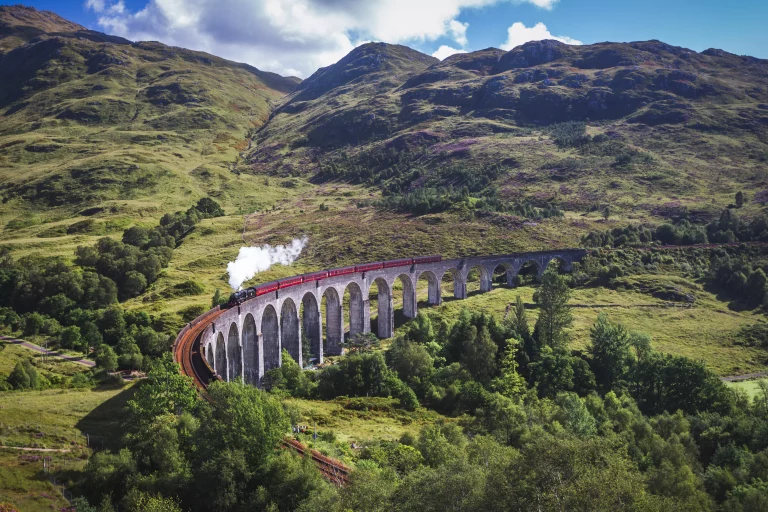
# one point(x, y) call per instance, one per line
point(555, 314)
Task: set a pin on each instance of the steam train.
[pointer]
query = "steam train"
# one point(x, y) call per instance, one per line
point(255, 291)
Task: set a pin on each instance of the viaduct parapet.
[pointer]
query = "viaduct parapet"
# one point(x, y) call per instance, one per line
point(246, 341)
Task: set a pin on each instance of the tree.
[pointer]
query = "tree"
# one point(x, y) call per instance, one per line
point(523, 331)
point(479, 355)
point(165, 391)
point(154, 503)
point(136, 236)
point(520, 320)
point(421, 330)
point(242, 418)
point(555, 314)
point(641, 342)
point(606, 213)
point(209, 208)
point(35, 380)
point(410, 361)
point(403, 393)
point(739, 199)
point(574, 415)
point(440, 443)
point(33, 324)
point(757, 285)
point(552, 372)
point(134, 284)
point(18, 377)
point(361, 342)
point(70, 338)
point(289, 376)
point(510, 384)
point(610, 353)
point(91, 335)
point(106, 358)
point(217, 298)
point(360, 374)
point(113, 325)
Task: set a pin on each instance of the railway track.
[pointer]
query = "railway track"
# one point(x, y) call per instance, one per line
point(186, 352)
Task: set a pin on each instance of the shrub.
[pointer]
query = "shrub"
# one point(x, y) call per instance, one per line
point(569, 133)
point(191, 312)
point(189, 288)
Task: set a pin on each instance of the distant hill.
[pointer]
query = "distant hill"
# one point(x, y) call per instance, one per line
point(87, 118)
point(19, 24)
point(663, 122)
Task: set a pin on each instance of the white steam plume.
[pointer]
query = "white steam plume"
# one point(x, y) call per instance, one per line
point(252, 260)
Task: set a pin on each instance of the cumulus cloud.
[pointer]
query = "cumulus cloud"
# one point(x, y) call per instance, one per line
point(518, 34)
point(290, 36)
point(458, 31)
point(95, 5)
point(446, 51)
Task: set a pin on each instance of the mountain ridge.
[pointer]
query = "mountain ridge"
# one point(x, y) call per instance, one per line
point(475, 109)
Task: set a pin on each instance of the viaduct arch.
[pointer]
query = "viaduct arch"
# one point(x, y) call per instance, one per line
point(246, 341)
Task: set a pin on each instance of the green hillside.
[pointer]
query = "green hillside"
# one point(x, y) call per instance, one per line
point(98, 126)
point(649, 128)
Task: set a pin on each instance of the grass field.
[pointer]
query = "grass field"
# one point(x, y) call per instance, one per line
point(53, 419)
point(381, 421)
point(750, 387)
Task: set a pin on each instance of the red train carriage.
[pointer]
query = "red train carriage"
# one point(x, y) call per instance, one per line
point(366, 267)
point(266, 288)
point(341, 271)
point(398, 263)
point(427, 259)
point(315, 276)
point(291, 281)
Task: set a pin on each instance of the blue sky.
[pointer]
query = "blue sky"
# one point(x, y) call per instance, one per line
point(311, 33)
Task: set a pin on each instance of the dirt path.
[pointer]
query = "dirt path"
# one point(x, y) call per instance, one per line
point(38, 348)
point(735, 378)
point(25, 449)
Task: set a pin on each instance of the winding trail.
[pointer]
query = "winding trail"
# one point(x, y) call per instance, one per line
point(42, 350)
point(26, 449)
point(736, 378)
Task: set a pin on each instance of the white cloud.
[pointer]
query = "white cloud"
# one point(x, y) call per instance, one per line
point(518, 34)
point(544, 4)
point(290, 36)
point(117, 8)
point(458, 31)
point(446, 51)
point(95, 5)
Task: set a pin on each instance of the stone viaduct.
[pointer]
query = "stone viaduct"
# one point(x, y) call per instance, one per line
point(247, 340)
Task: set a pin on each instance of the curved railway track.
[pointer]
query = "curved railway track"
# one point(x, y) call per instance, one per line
point(186, 352)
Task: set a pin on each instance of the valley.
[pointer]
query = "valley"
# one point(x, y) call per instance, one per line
point(131, 174)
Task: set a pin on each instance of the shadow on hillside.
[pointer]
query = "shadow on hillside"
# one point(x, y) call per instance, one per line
point(725, 296)
point(106, 424)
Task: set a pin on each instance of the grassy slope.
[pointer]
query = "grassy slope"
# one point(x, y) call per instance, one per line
point(61, 416)
point(10, 354)
point(750, 387)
